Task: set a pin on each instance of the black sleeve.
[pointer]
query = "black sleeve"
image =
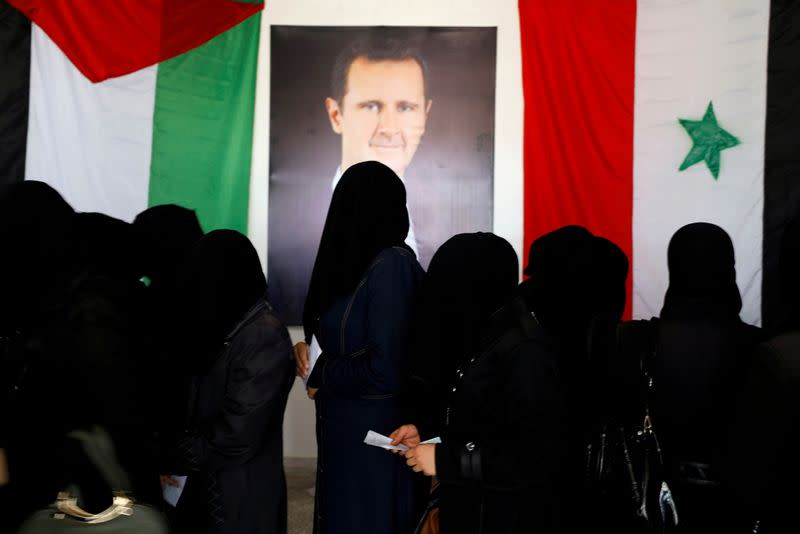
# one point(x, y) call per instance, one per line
point(261, 361)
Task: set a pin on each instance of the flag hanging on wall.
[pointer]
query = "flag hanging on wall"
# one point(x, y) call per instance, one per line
point(138, 103)
point(641, 117)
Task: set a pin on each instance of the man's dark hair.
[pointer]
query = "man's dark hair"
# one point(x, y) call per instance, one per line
point(374, 47)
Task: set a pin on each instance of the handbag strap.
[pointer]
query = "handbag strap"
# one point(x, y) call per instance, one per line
point(68, 505)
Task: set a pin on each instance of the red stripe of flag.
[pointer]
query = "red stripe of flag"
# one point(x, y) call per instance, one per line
point(105, 39)
point(578, 61)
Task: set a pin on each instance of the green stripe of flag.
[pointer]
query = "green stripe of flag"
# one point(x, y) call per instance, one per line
point(203, 128)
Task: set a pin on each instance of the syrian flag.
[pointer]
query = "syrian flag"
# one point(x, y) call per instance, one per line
point(127, 104)
point(643, 116)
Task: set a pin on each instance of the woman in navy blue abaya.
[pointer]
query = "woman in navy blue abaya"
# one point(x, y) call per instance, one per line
point(359, 307)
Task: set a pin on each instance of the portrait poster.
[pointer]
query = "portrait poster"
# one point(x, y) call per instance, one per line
point(419, 99)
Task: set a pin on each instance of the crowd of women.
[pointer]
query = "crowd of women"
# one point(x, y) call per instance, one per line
point(512, 407)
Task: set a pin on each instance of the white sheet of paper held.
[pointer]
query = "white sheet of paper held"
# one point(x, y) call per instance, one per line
point(173, 493)
point(385, 442)
point(314, 350)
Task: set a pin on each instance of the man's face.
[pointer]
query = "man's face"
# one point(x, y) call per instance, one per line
point(382, 115)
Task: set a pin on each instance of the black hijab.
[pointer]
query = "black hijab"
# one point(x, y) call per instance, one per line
point(702, 276)
point(610, 274)
point(367, 214)
point(470, 277)
point(35, 222)
point(224, 280)
point(106, 247)
point(561, 289)
point(608, 294)
point(167, 234)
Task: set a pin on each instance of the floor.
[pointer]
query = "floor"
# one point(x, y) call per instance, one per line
point(300, 488)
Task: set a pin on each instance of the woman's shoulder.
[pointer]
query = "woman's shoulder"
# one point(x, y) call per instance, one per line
point(396, 258)
point(396, 254)
point(260, 321)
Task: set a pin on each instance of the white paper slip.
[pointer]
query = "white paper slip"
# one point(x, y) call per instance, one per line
point(385, 442)
point(173, 493)
point(314, 350)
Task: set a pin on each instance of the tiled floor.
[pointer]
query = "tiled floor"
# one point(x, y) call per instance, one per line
point(300, 488)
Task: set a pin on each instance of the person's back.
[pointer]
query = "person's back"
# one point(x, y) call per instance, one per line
point(769, 422)
point(701, 352)
point(510, 405)
point(698, 371)
point(82, 369)
point(768, 411)
point(485, 380)
point(232, 452)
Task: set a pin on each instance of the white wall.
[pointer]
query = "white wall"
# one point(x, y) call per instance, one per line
point(299, 438)
point(299, 423)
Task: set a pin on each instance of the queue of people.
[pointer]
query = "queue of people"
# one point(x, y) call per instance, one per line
point(511, 408)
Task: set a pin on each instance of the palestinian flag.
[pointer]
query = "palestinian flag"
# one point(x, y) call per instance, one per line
point(642, 116)
point(126, 104)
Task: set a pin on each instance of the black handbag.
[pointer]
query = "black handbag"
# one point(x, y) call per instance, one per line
point(626, 478)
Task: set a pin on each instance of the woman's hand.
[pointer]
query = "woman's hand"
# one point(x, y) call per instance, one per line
point(301, 359)
point(407, 435)
point(422, 459)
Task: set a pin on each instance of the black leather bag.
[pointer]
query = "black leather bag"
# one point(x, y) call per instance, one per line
point(626, 479)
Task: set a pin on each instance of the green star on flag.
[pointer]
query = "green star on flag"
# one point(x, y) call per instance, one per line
point(709, 140)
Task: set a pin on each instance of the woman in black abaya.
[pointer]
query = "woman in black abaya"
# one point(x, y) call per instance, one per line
point(487, 383)
point(242, 373)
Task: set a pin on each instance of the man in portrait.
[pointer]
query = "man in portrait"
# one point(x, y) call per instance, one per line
point(378, 105)
point(343, 95)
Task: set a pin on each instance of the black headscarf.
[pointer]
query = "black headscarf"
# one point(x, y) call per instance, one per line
point(610, 274)
point(35, 222)
point(561, 288)
point(608, 294)
point(106, 247)
point(469, 278)
point(367, 214)
point(223, 282)
point(702, 276)
point(167, 234)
